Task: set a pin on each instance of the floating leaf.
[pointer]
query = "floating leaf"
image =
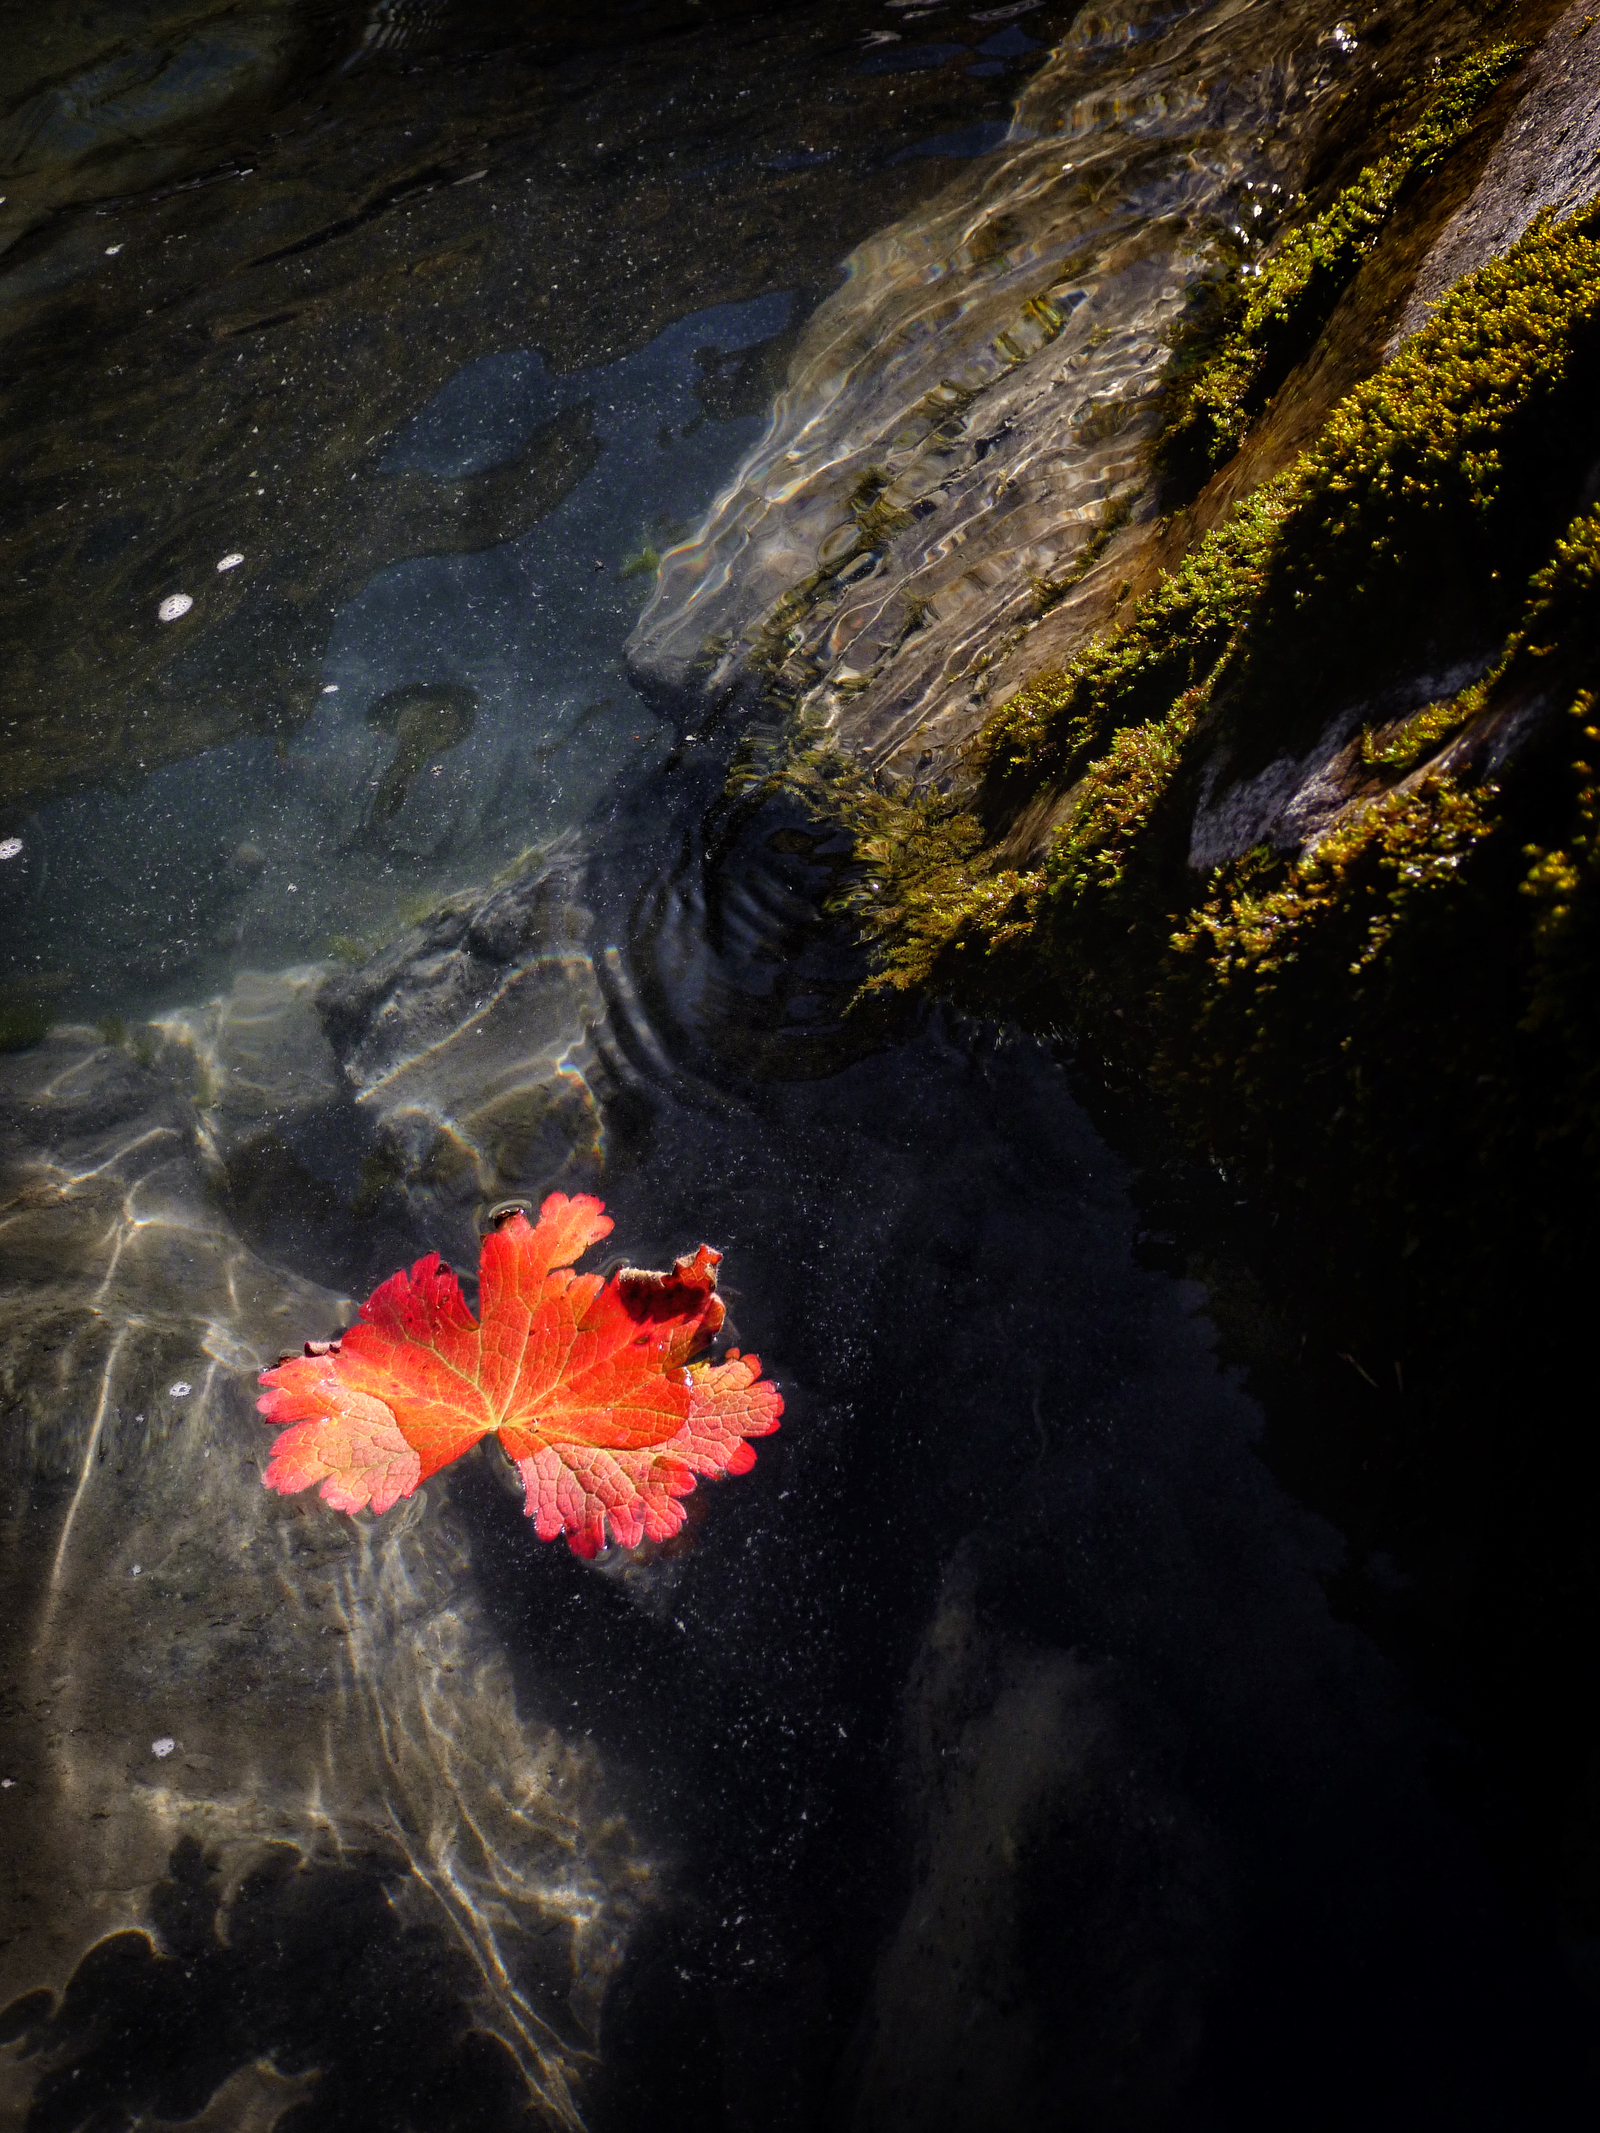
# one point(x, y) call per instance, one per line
point(589, 1384)
point(351, 1444)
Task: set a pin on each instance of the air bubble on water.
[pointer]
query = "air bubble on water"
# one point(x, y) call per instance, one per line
point(174, 605)
point(10, 847)
point(330, 688)
point(137, 1568)
point(181, 1390)
point(231, 562)
point(112, 250)
point(163, 1747)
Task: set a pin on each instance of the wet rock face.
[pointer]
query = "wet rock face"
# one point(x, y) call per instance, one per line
point(1544, 162)
point(967, 421)
point(955, 491)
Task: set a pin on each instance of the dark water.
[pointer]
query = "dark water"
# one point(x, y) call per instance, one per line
point(991, 1755)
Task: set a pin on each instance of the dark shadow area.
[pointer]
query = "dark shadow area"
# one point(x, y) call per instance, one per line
point(310, 1967)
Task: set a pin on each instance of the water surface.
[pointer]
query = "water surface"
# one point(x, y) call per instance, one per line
point(991, 1754)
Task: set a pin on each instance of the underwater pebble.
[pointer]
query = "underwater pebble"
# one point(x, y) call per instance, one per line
point(231, 562)
point(174, 605)
point(181, 1390)
point(10, 847)
point(163, 1747)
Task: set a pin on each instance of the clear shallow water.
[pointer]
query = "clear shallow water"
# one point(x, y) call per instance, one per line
point(990, 1755)
point(258, 854)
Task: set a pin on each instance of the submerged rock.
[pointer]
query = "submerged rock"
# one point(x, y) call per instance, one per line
point(426, 719)
point(467, 1046)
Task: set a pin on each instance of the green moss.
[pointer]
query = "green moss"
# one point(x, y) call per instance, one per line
point(381, 1168)
point(1410, 739)
point(878, 519)
point(23, 1024)
point(1276, 313)
point(1263, 997)
point(1355, 887)
point(1420, 498)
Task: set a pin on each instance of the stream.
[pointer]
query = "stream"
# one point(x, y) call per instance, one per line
point(990, 1755)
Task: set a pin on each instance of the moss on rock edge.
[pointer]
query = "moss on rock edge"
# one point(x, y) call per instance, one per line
point(1394, 1019)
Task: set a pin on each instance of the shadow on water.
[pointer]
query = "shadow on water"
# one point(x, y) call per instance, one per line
point(307, 1967)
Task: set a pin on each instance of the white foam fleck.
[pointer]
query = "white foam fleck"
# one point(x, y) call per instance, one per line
point(163, 1747)
point(174, 605)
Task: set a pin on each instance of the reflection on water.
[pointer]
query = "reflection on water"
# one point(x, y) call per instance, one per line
point(990, 1756)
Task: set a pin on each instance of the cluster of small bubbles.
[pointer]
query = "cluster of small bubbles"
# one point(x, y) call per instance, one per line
point(163, 1747)
point(10, 847)
point(230, 561)
point(181, 1390)
point(174, 605)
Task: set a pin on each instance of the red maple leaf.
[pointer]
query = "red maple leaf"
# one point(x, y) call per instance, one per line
point(589, 1384)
